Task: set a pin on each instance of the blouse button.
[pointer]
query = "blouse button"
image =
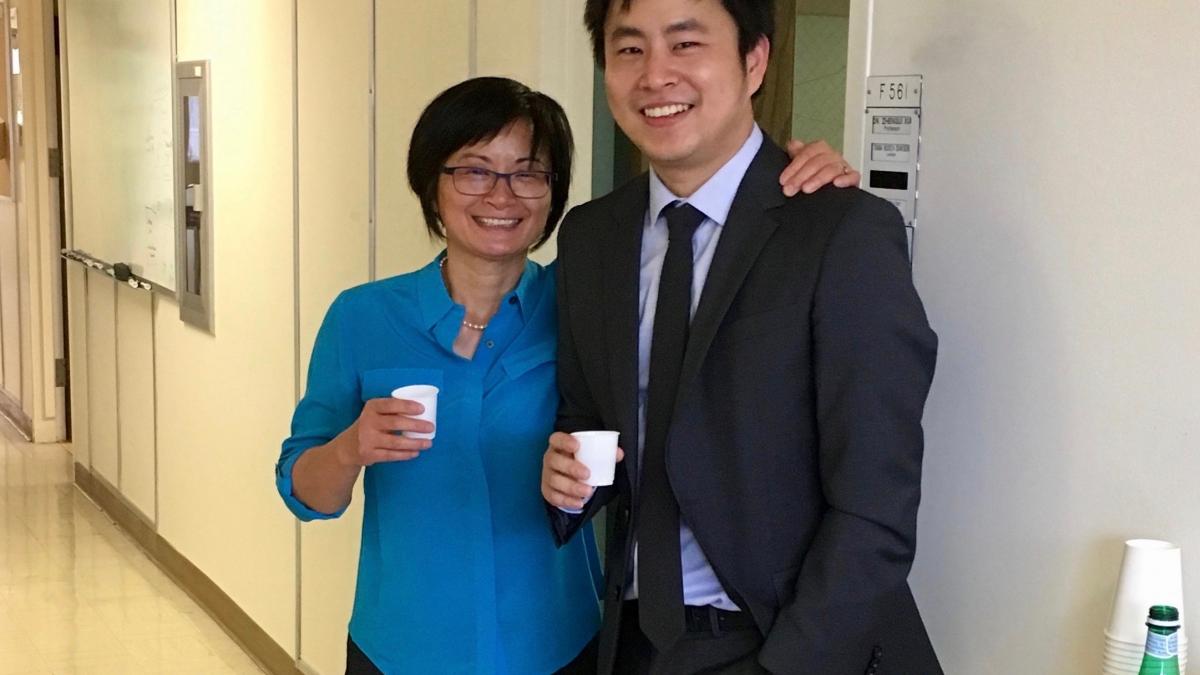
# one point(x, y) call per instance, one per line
point(512, 300)
point(490, 344)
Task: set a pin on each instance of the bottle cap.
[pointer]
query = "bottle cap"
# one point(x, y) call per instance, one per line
point(1163, 616)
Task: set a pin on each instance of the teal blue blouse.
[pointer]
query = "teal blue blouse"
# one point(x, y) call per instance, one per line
point(458, 572)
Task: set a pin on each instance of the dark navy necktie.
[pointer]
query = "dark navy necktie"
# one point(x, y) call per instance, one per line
point(660, 576)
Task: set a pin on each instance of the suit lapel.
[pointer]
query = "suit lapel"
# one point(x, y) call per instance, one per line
point(746, 230)
point(620, 270)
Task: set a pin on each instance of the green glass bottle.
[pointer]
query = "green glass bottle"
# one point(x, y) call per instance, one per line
point(1162, 642)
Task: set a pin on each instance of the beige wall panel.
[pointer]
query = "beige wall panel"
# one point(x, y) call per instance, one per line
point(565, 72)
point(508, 39)
point(422, 48)
point(135, 403)
point(334, 82)
point(1056, 255)
point(329, 569)
point(77, 322)
point(334, 156)
point(225, 400)
point(102, 376)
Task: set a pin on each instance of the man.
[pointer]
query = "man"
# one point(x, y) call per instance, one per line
point(765, 359)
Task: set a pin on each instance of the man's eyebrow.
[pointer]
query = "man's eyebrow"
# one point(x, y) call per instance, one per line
point(625, 32)
point(685, 26)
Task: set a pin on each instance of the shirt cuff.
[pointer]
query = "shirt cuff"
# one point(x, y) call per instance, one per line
point(575, 512)
point(283, 482)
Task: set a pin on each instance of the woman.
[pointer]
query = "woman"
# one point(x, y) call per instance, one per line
point(458, 571)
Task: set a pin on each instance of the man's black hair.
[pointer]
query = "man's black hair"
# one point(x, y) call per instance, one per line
point(755, 19)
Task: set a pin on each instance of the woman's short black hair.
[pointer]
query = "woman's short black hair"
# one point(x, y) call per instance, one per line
point(476, 111)
point(754, 18)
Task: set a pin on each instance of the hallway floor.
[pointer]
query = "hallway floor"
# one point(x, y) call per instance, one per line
point(77, 595)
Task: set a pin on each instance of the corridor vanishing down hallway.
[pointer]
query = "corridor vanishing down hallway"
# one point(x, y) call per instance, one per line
point(77, 595)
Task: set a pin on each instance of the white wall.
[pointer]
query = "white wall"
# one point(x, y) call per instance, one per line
point(1057, 231)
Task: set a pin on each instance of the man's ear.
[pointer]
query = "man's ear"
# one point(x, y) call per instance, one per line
point(756, 64)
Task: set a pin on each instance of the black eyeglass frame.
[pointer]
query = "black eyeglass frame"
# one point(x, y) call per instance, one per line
point(496, 176)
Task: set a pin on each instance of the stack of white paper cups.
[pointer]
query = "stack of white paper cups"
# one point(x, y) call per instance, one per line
point(1151, 574)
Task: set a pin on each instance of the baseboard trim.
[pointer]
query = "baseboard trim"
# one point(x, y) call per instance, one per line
point(11, 408)
point(305, 669)
point(252, 638)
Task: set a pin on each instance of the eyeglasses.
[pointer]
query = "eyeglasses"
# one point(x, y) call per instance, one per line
point(475, 181)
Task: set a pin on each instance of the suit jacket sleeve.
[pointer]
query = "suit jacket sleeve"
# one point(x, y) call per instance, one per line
point(873, 355)
point(577, 409)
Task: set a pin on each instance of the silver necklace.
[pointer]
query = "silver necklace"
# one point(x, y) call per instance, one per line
point(473, 326)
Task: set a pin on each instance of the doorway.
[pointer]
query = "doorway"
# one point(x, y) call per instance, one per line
point(32, 338)
point(822, 30)
point(12, 380)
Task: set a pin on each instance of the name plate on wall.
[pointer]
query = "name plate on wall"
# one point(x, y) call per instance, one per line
point(892, 143)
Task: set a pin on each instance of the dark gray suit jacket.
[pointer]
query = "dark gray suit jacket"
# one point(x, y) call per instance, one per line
point(795, 447)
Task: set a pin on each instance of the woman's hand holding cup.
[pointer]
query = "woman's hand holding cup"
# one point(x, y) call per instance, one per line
point(376, 435)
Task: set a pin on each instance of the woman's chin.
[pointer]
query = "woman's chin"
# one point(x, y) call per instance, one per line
point(499, 245)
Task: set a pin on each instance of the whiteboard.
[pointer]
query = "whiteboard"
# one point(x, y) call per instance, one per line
point(118, 74)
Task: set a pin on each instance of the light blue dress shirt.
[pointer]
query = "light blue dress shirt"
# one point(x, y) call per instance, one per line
point(713, 199)
point(458, 572)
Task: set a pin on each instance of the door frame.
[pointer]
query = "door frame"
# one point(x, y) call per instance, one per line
point(13, 403)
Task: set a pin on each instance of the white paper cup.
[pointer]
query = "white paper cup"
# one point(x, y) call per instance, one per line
point(1125, 655)
point(426, 395)
point(1151, 574)
point(598, 451)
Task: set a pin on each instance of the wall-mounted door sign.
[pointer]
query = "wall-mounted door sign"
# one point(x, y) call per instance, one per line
point(892, 143)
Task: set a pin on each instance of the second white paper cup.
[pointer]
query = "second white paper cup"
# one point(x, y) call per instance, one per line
point(598, 451)
point(1151, 574)
point(426, 395)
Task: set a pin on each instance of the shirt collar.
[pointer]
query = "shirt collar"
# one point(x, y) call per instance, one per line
point(435, 300)
point(715, 197)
